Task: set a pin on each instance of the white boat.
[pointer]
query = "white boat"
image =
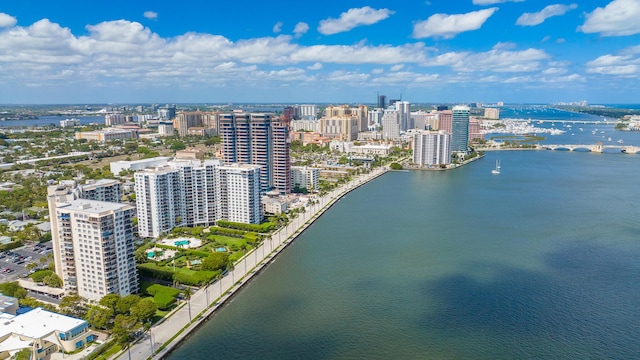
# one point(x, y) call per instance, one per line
point(620, 141)
point(609, 139)
point(497, 169)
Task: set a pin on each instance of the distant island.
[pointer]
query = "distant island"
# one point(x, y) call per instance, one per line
point(610, 112)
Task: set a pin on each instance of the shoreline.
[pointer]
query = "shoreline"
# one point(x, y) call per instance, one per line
point(203, 304)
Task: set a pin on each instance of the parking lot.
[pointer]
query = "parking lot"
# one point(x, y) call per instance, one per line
point(13, 262)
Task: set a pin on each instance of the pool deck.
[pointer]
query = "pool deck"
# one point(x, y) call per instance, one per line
point(174, 328)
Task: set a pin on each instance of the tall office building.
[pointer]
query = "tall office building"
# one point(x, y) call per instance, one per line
point(460, 129)
point(97, 240)
point(259, 140)
point(404, 109)
point(167, 113)
point(445, 119)
point(391, 123)
point(382, 102)
point(68, 190)
point(432, 148)
point(240, 193)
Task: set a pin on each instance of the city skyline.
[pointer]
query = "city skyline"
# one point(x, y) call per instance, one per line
point(425, 51)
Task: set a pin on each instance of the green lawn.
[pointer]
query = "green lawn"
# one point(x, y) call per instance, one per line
point(110, 352)
point(226, 241)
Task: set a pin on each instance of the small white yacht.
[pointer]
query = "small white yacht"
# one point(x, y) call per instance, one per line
point(496, 171)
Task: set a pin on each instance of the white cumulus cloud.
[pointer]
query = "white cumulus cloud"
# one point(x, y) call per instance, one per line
point(316, 66)
point(500, 61)
point(448, 26)
point(300, 29)
point(151, 15)
point(618, 18)
point(7, 20)
point(537, 18)
point(491, 2)
point(277, 27)
point(353, 18)
point(627, 64)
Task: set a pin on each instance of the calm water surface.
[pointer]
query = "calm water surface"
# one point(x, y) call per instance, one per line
point(542, 261)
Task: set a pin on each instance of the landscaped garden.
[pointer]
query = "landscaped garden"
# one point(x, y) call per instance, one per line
point(196, 256)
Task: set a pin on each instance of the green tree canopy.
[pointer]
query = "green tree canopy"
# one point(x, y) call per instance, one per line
point(110, 301)
point(215, 261)
point(124, 305)
point(99, 316)
point(53, 280)
point(144, 310)
point(13, 289)
point(178, 145)
point(124, 328)
point(73, 305)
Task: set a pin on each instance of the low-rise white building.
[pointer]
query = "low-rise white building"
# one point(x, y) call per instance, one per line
point(305, 177)
point(118, 166)
point(108, 134)
point(43, 332)
point(370, 149)
point(273, 206)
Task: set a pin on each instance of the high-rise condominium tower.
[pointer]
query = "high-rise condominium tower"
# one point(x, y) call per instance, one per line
point(460, 129)
point(258, 139)
point(432, 148)
point(98, 237)
point(195, 193)
point(68, 190)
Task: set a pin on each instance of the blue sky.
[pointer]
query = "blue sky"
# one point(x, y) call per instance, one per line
point(516, 51)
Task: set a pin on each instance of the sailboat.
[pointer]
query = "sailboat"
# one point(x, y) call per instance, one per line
point(496, 171)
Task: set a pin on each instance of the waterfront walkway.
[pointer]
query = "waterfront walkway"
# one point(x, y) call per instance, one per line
point(163, 337)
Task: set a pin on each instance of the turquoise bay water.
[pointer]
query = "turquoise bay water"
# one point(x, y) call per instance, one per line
point(541, 261)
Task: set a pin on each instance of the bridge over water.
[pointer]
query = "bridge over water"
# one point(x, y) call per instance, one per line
point(598, 148)
point(596, 122)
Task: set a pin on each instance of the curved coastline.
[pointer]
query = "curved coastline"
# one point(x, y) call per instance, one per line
point(165, 336)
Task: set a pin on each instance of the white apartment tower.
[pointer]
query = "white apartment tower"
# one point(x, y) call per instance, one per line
point(67, 190)
point(391, 123)
point(240, 193)
point(432, 148)
point(307, 112)
point(159, 200)
point(305, 177)
point(194, 193)
point(99, 237)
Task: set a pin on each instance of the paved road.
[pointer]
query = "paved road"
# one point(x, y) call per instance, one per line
point(205, 298)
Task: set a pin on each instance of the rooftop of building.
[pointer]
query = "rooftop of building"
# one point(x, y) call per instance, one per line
point(100, 182)
point(107, 131)
point(38, 323)
point(143, 161)
point(92, 206)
